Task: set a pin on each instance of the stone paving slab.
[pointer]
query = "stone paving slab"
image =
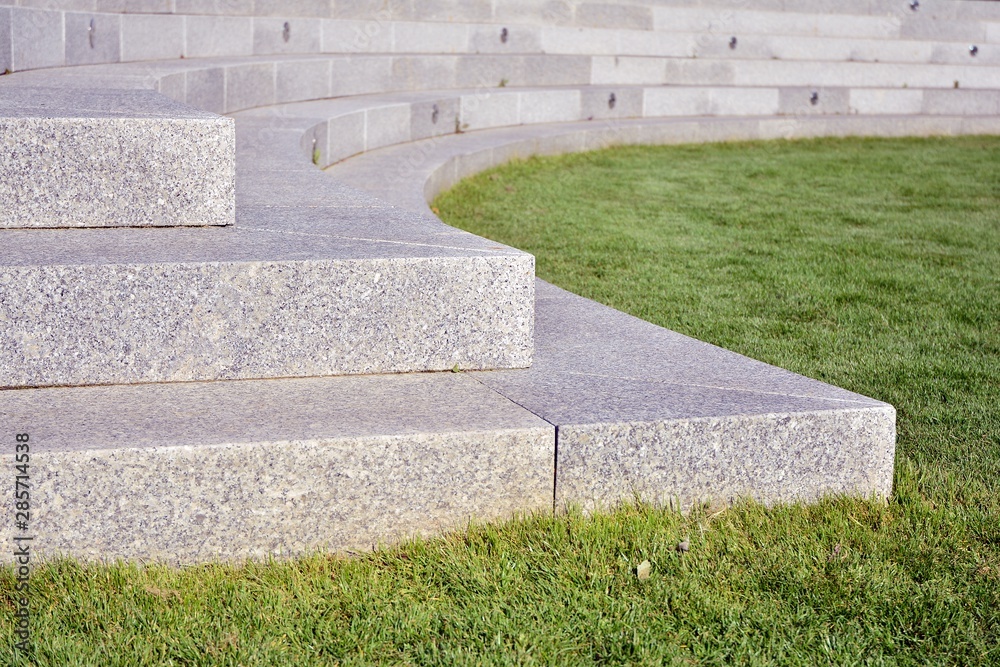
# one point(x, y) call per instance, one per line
point(86, 158)
point(286, 292)
point(193, 472)
point(644, 412)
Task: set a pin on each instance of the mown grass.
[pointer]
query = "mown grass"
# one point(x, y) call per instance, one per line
point(874, 265)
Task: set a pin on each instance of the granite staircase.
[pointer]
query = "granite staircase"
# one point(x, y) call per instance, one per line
point(219, 351)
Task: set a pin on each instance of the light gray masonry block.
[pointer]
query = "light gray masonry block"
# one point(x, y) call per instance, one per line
point(970, 102)
point(302, 79)
point(349, 36)
point(434, 118)
point(488, 109)
point(215, 7)
point(927, 27)
point(883, 101)
point(314, 143)
point(364, 10)
point(504, 39)
point(346, 136)
point(628, 71)
point(606, 102)
point(609, 15)
point(644, 412)
point(174, 86)
point(706, 101)
point(206, 89)
point(424, 72)
point(529, 12)
point(188, 473)
point(5, 37)
point(250, 85)
point(358, 75)
point(36, 39)
point(211, 36)
point(65, 5)
point(260, 300)
point(93, 38)
point(814, 101)
point(152, 37)
point(74, 158)
point(464, 11)
point(554, 70)
point(412, 37)
point(387, 125)
point(303, 8)
point(286, 35)
point(549, 106)
point(133, 6)
point(993, 32)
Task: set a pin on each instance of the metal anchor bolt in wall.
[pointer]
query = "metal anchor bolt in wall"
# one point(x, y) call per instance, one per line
point(914, 5)
point(612, 101)
point(973, 50)
point(732, 42)
point(435, 112)
point(286, 32)
point(504, 35)
point(814, 98)
point(91, 32)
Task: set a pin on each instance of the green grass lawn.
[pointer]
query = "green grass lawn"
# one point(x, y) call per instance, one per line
point(870, 264)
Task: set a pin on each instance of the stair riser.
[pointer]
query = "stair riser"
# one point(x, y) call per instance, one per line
point(769, 458)
point(256, 500)
point(116, 172)
point(39, 38)
point(112, 324)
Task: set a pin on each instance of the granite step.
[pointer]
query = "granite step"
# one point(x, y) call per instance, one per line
point(49, 38)
point(409, 175)
point(333, 130)
point(613, 409)
point(231, 85)
point(112, 158)
point(644, 412)
point(193, 472)
point(314, 278)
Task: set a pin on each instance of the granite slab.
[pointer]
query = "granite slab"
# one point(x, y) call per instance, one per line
point(644, 412)
point(195, 472)
point(112, 158)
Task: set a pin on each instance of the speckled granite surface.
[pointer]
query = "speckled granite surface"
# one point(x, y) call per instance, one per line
point(643, 411)
point(314, 278)
point(612, 408)
point(115, 324)
point(185, 473)
point(112, 158)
